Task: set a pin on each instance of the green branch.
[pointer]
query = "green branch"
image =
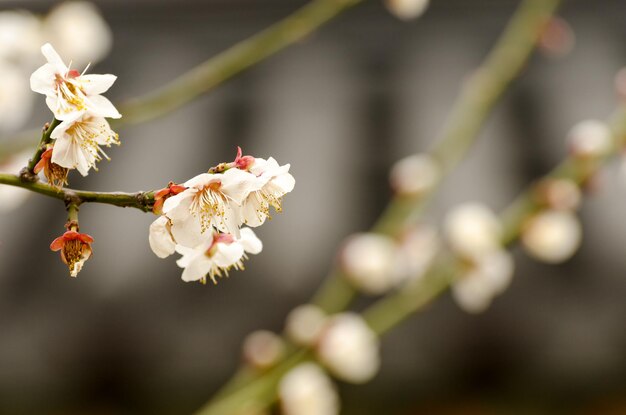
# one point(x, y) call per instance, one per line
point(231, 62)
point(139, 200)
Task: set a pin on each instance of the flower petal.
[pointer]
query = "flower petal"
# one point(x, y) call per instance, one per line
point(97, 84)
point(226, 255)
point(160, 238)
point(102, 107)
point(250, 242)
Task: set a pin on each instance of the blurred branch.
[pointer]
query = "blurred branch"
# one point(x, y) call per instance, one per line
point(139, 200)
point(478, 97)
point(229, 63)
point(391, 310)
point(214, 71)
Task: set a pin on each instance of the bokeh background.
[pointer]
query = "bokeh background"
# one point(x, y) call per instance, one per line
point(129, 337)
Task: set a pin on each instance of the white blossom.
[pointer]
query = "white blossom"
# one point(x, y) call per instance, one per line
point(590, 139)
point(488, 277)
point(552, 236)
point(307, 390)
point(262, 349)
point(161, 239)
point(414, 175)
point(407, 9)
point(370, 262)
point(210, 201)
point(79, 140)
point(78, 30)
point(472, 230)
point(68, 92)
point(215, 256)
point(304, 324)
point(349, 348)
point(275, 181)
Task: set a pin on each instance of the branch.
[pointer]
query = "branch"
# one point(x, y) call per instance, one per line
point(231, 62)
point(139, 200)
point(478, 97)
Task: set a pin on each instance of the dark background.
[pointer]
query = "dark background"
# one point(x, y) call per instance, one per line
point(128, 336)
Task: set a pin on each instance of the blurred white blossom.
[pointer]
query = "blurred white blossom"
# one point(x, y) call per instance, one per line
point(307, 390)
point(304, 324)
point(78, 30)
point(407, 9)
point(349, 348)
point(20, 37)
point(418, 247)
point(590, 139)
point(370, 262)
point(414, 175)
point(262, 349)
point(560, 194)
point(16, 100)
point(489, 276)
point(552, 236)
point(472, 230)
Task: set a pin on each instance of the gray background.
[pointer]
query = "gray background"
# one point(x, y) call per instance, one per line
point(128, 336)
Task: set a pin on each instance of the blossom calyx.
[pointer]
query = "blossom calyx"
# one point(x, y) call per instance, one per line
point(161, 196)
point(75, 249)
point(55, 174)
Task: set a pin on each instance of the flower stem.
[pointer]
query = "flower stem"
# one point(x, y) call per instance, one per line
point(45, 140)
point(139, 200)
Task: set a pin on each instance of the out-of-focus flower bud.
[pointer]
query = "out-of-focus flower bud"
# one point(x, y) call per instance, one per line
point(559, 194)
point(76, 29)
point(262, 349)
point(20, 36)
point(304, 324)
point(418, 248)
point(557, 38)
point(414, 175)
point(370, 262)
point(349, 348)
point(407, 9)
point(472, 230)
point(552, 236)
point(490, 276)
point(307, 390)
point(590, 139)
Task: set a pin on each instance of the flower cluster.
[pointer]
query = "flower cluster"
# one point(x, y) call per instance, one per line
point(474, 233)
point(75, 100)
point(202, 219)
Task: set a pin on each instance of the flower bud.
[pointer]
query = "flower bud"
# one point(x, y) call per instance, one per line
point(418, 248)
point(369, 262)
point(552, 236)
point(407, 9)
point(414, 175)
point(472, 230)
point(560, 194)
point(557, 38)
point(307, 390)
point(349, 348)
point(75, 250)
point(590, 139)
point(491, 275)
point(262, 349)
point(304, 324)
point(55, 174)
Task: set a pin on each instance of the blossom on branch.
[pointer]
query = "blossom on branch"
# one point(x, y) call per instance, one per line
point(75, 249)
point(78, 140)
point(215, 257)
point(54, 173)
point(70, 93)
